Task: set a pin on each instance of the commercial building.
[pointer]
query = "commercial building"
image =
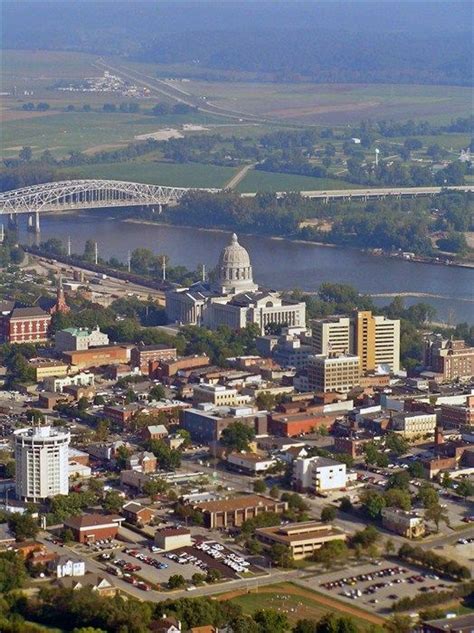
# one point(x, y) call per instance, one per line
point(170, 368)
point(296, 424)
point(97, 356)
point(146, 357)
point(410, 424)
point(291, 352)
point(218, 395)
point(333, 373)
point(407, 524)
point(64, 566)
point(249, 463)
point(458, 416)
point(173, 538)
point(82, 379)
point(302, 539)
point(451, 359)
point(79, 339)
point(205, 423)
point(46, 368)
point(23, 325)
point(42, 464)
point(89, 528)
point(233, 512)
point(233, 299)
point(374, 339)
point(318, 474)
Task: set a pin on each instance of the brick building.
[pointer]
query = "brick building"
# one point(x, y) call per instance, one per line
point(294, 424)
point(88, 528)
point(458, 416)
point(147, 357)
point(233, 512)
point(23, 325)
point(97, 356)
point(452, 359)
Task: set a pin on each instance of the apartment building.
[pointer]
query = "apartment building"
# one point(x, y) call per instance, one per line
point(375, 339)
point(42, 462)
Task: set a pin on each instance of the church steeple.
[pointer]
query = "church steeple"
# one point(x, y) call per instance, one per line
point(60, 305)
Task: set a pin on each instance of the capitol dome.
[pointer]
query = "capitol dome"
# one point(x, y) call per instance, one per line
point(234, 270)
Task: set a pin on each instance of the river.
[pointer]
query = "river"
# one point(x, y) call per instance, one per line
point(279, 264)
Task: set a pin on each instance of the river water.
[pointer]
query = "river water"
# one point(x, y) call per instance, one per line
point(279, 264)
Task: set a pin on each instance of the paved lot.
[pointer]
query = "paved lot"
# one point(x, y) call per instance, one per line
point(397, 584)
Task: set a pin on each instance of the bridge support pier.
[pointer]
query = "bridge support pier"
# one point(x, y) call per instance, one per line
point(12, 221)
point(34, 223)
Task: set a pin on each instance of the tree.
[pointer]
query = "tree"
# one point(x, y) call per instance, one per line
point(168, 458)
point(176, 581)
point(428, 495)
point(153, 487)
point(265, 401)
point(331, 552)
point(389, 547)
point(437, 514)
point(465, 488)
point(25, 154)
point(304, 626)
point(259, 486)
point(281, 555)
point(198, 579)
point(372, 503)
point(331, 623)
point(23, 526)
point(399, 624)
point(400, 479)
point(213, 575)
point(102, 430)
point(12, 571)
point(113, 502)
point(416, 470)
point(346, 504)
point(398, 498)
point(253, 546)
point(271, 621)
point(237, 436)
point(328, 514)
point(396, 443)
point(366, 537)
point(157, 392)
point(274, 492)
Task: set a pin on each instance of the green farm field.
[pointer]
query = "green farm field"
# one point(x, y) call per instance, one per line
point(159, 173)
point(256, 180)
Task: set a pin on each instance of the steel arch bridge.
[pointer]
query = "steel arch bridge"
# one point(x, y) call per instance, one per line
point(88, 194)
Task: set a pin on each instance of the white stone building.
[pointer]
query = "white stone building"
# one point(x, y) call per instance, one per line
point(79, 339)
point(42, 463)
point(233, 299)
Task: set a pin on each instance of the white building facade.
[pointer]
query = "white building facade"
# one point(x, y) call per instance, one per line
point(42, 464)
point(233, 299)
point(318, 474)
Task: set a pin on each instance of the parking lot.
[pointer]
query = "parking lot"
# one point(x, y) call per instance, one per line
point(375, 587)
point(156, 568)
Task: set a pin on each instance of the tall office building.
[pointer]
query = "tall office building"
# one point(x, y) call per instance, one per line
point(374, 339)
point(42, 467)
point(336, 372)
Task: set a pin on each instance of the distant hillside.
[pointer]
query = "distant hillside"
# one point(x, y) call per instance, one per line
point(323, 41)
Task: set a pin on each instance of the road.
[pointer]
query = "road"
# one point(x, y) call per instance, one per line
point(162, 88)
point(239, 176)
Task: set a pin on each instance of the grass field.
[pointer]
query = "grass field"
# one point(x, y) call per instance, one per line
point(160, 173)
point(257, 180)
point(338, 103)
point(448, 141)
point(297, 603)
point(65, 131)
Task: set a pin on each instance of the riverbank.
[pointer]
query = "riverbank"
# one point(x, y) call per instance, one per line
point(414, 259)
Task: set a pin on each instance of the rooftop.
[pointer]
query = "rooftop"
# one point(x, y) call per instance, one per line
point(236, 503)
point(306, 531)
point(92, 520)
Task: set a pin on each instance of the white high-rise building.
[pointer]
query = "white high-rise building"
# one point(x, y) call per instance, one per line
point(42, 468)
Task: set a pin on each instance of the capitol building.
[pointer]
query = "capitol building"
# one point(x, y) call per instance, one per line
point(232, 298)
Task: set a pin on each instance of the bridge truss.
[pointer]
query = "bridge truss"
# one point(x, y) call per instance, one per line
point(88, 194)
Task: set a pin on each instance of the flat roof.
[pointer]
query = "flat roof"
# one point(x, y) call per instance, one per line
point(306, 531)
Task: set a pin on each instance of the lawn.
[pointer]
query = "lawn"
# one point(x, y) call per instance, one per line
point(160, 173)
point(297, 603)
point(257, 180)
